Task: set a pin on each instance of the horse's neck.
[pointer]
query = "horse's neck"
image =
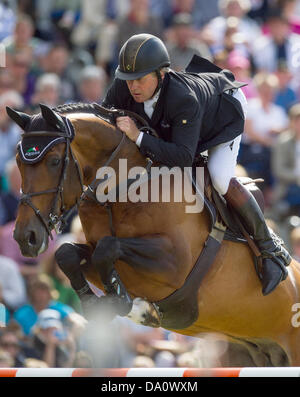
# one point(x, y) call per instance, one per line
point(95, 141)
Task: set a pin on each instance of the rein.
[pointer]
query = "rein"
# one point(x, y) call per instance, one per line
point(90, 191)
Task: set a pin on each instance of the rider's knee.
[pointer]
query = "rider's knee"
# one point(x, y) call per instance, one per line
point(221, 184)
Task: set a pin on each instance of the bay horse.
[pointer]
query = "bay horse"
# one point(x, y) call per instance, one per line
point(158, 243)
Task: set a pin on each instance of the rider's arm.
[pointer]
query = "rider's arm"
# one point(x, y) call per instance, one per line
point(185, 123)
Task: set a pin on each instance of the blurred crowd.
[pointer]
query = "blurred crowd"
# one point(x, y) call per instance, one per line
point(60, 51)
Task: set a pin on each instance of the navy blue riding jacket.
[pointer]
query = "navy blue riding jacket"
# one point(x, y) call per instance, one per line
point(193, 112)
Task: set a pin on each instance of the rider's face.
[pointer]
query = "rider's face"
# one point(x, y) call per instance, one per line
point(142, 89)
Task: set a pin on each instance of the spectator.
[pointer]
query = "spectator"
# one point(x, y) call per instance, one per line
point(184, 46)
point(47, 91)
point(143, 362)
point(4, 312)
point(9, 200)
point(41, 296)
point(35, 363)
point(93, 17)
point(57, 61)
point(52, 341)
point(233, 40)
point(138, 20)
point(286, 96)
point(201, 11)
point(6, 361)
point(22, 39)
point(7, 21)
point(82, 360)
point(61, 283)
point(106, 41)
point(286, 165)
point(187, 360)
point(6, 81)
point(264, 121)
point(19, 65)
point(238, 9)
point(135, 340)
point(165, 359)
point(92, 84)
point(278, 46)
point(9, 131)
point(12, 284)
point(240, 67)
point(10, 343)
point(289, 11)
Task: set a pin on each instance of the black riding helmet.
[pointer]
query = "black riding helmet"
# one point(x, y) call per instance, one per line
point(140, 55)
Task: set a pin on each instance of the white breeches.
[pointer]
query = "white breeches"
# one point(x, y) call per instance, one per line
point(222, 158)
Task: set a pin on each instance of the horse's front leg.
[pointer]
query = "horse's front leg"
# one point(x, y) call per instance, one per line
point(71, 258)
point(152, 258)
point(106, 253)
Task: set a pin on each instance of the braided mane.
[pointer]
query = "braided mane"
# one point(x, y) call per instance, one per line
point(76, 107)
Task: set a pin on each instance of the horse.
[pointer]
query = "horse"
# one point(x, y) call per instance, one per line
point(154, 245)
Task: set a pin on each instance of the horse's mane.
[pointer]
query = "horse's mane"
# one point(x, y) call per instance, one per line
point(76, 107)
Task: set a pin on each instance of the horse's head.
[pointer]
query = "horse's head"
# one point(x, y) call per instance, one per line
point(51, 178)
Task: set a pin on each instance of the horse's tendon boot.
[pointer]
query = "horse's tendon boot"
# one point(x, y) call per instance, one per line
point(118, 292)
point(107, 251)
point(274, 256)
point(69, 257)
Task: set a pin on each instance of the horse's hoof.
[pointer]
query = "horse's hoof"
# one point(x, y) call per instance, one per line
point(144, 313)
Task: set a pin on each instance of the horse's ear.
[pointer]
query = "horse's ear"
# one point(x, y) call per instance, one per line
point(22, 119)
point(51, 117)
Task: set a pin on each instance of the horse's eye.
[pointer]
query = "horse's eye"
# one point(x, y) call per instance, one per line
point(55, 162)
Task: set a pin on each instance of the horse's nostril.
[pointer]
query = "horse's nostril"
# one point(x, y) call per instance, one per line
point(32, 239)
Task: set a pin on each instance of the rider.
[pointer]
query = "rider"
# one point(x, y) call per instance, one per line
point(200, 109)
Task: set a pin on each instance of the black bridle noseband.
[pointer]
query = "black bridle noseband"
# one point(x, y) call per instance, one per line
point(54, 220)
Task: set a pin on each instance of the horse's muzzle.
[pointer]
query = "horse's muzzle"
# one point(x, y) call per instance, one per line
point(32, 240)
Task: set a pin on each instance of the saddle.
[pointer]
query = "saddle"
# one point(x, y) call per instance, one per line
point(217, 206)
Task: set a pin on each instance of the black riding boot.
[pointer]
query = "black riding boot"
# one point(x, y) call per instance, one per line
point(275, 257)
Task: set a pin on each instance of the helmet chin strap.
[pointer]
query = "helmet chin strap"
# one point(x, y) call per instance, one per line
point(159, 84)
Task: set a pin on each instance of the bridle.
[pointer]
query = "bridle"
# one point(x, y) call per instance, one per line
point(54, 220)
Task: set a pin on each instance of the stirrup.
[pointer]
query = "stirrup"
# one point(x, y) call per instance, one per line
point(281, 257)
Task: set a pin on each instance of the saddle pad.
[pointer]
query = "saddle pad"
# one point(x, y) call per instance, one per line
point(32, 148)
